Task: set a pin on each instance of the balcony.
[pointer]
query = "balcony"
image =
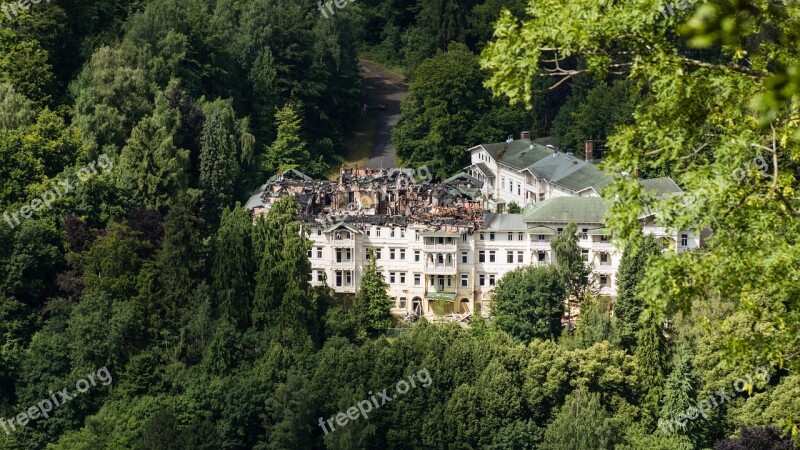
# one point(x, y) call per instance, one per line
point(339, 243)
point(440, 248)
point(344, 265)
point(348, 289)
point(440, 269)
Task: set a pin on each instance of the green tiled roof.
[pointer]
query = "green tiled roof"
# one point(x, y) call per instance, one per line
point(485, 169)
point(569, 172)
point(581, 210)
point(599, 232)
point(441, 296)
point(585, 177)
point(541, 230)
point(504, 222)
point(518, 154)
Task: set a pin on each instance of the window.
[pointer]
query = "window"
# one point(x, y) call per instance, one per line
point(391, 277)
point(604, 239)
point(319, 231)
point(584, 234)
point(510, 257)
point(433, 281)
point(603, 280)
point(482, 256)
point(338, 278)
point(464, 257)
point(520, 257)
point(319, 252)
point(541, 238)
point(510, 236)
point(491, 279)
point(520, 236)
point(464, 237)
point(503, 182)
point(585, 255)
point(308, 253)
point(441, 281)
point(464, 280)
point(403, 232)
point(377, 231)
point(604, 258)
point(684, 240)
point(402, 254)
point(449, 281)
point(310, 276)
point(416, 255)
point(402, 303)
point(482, 237)
point(348, 277)
point(491, 236)
point(492, 256)
point(402, 278)
point(369, 232)
point(377, 253)
point(440, 259)
point(519, 189)
point(417, 279)
point(482, 279)
point(416, 235)
point(542, 257)
point(559, 230)
point(338, 255)
point(320, 276)
point(391, 253)
point(510, 186)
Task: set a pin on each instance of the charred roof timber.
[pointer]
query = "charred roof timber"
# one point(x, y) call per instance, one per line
point(378, 197)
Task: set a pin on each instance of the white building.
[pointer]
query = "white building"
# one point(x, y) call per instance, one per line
point(439, 251)
point(524, 172)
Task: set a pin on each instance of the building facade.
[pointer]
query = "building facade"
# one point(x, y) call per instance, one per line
point(438, 247)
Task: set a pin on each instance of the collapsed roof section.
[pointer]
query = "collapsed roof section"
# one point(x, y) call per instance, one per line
point(366, 197)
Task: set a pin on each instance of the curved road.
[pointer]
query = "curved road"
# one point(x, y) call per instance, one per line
point(386, 88)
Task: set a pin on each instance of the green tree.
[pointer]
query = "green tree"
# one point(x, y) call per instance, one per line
point(152, 168)
point(224, 142)
point(650, 353)
point(628, 305)
point(595, 323)
point(449, 110)
point(289, 149)
point(15, 109)
point(595, 116)
point(679, 401)
point(528, 303)
point(372, 301)
point(233, 265)
point(569, 261)
point(581, 423)
point(283, 301)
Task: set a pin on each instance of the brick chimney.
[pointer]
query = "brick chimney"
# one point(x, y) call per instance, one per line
point(525, 135)
point(589, 150)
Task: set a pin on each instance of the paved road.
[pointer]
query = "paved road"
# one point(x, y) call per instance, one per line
point(383, 88)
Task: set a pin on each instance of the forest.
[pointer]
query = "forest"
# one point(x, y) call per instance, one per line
point(146, 308)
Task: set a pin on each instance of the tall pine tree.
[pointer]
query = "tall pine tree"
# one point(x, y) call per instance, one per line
point(628, 305)
point(373, 303)
point(233, 265)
